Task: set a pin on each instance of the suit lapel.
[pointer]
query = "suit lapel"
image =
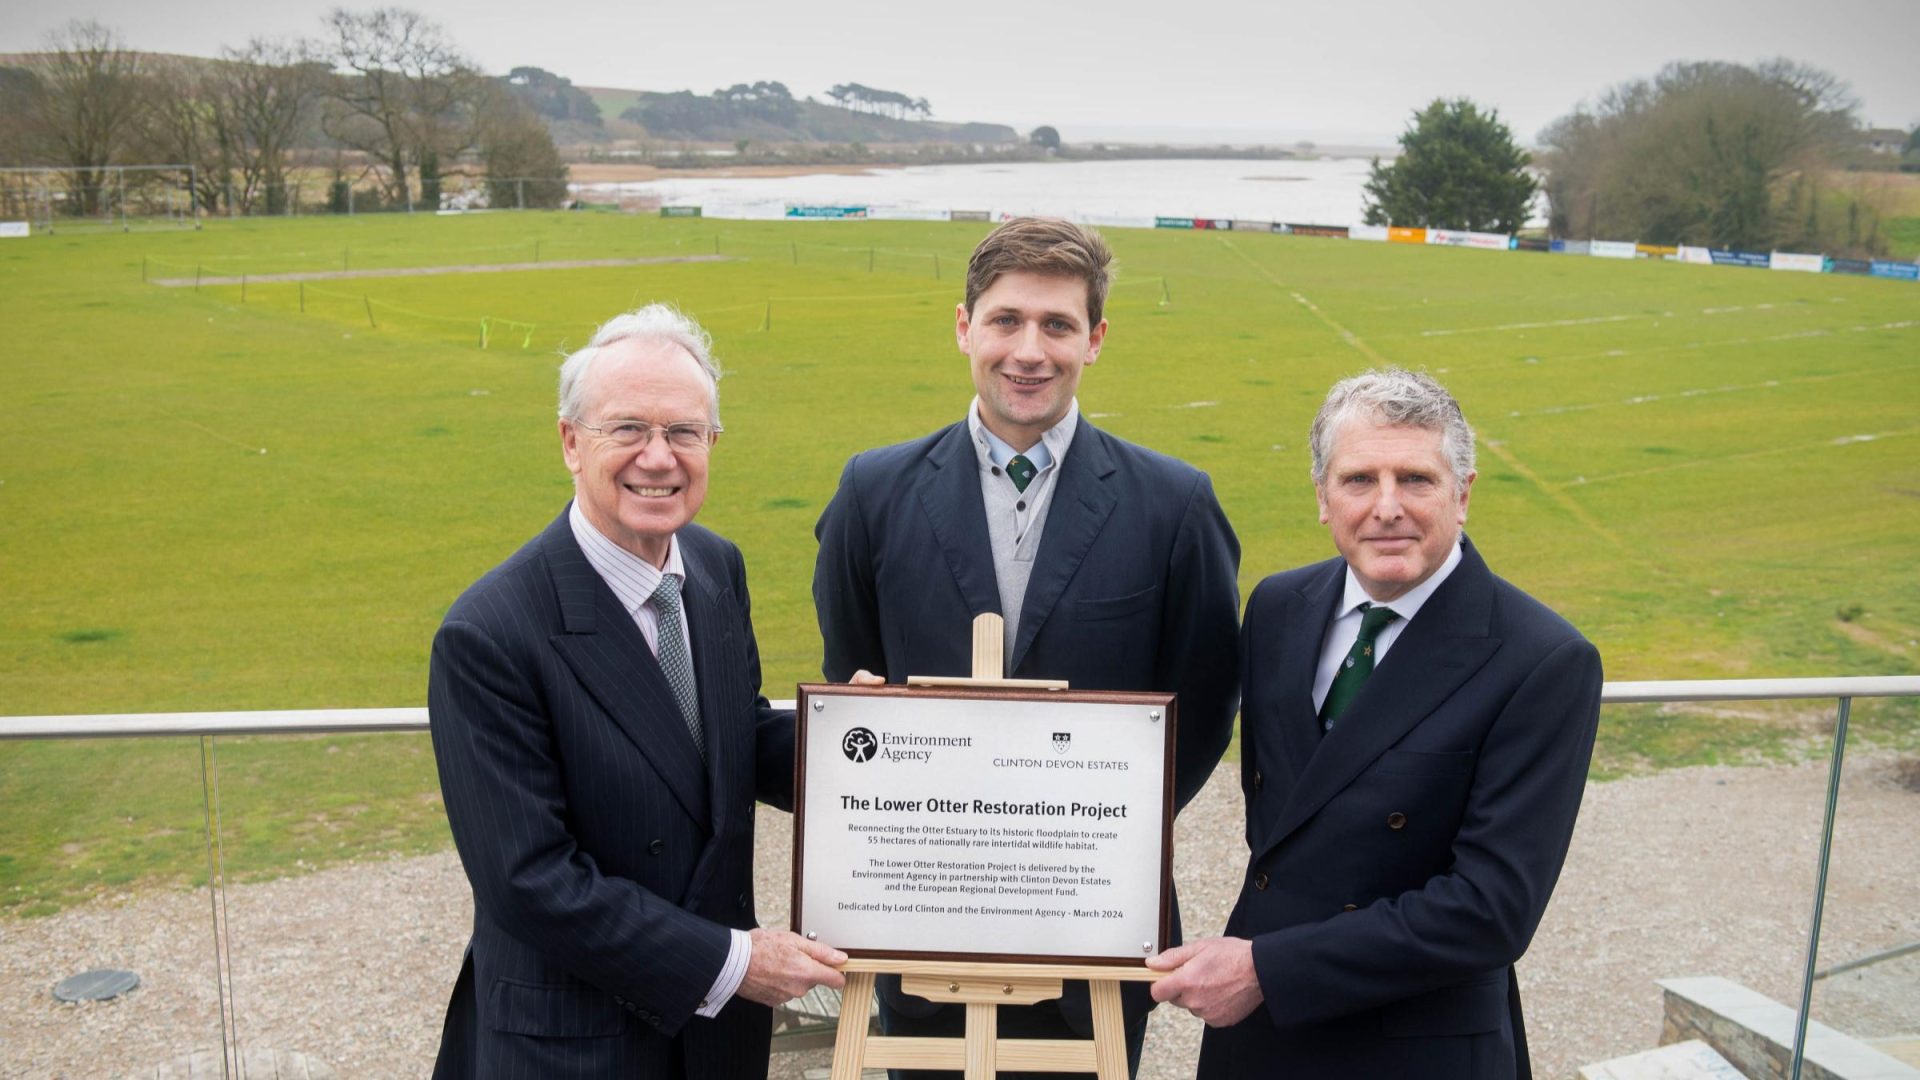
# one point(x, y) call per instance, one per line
point(949, 491)
point(604, 649)
point(1444, 645)
point(1082, 502)
point(1299, 726)
point(713, 669)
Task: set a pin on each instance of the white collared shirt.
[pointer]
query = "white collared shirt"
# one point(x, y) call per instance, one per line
point(993, 453)
point(633, 581)
point(1346, 623)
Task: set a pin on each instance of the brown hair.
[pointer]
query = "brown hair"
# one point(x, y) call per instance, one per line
point(1047, 246)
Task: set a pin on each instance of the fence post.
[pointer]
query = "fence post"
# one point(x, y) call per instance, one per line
point(303, 298)
point(367, 301)
point(520, 194)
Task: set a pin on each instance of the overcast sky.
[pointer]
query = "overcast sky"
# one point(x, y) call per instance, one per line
point(1334, 71)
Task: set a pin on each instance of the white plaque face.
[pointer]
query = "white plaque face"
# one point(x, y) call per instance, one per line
point(981, 826)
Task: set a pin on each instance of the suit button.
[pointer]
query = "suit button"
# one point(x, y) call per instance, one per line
point(1259, 781)
point(1350, 907)
point(1396, 820)
point(656, 847)
point(1260, 881)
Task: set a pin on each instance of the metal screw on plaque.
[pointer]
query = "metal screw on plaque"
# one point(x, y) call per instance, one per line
point(1007, 989)
point(953, 988)
point(818, 705)
point(813, 935)
point(1146, 947)
point(1154, 716)
point(99, 984)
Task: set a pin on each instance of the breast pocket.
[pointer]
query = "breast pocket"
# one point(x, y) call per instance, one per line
point(1116, 607)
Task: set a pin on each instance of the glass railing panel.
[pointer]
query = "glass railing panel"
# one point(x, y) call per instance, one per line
point(1867, 980)
point(346, 910)
point(103, 866)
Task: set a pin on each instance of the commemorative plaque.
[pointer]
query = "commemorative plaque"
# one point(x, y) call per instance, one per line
point(984, 825)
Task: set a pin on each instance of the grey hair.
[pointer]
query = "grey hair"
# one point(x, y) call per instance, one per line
point(655, 322)
point(1399, 397)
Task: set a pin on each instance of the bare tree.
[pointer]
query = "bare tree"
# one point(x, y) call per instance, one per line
point(1704, 153)
point(84, 105)
point(401, 93)
point(186, 123)
point(266, 92)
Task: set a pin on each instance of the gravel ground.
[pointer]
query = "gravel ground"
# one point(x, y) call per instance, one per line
point(1692, 872)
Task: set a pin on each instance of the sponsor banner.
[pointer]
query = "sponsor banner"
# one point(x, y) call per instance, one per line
point(1887, 268)
point(1337, 232)
point(901, 213)
point(1173, 223)
point(969, 215)
point(1612, 249)
point(1573, 247)
point(1243, 225)
point(13, 228)
point(679, 211)
point(1377, 233)
point(830, 213)
point(1111, 221)
point(1460, 238)
point(1212, 223)
point(1849, 266)
point(1739, 258)
point(1532, 243)
point(1399, 234)
point(1657, 251)
point(1282, 227)
point(1806, 264)
point(1697, 255)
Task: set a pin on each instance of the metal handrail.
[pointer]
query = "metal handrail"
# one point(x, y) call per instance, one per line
point(325, 721)
point(330, 721)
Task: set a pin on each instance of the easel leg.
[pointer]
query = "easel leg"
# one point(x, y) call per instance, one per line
point(850, 1045)
point(983, 1039)
point(1109, 1031)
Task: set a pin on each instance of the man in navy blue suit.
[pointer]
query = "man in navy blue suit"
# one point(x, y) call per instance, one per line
point(1114, 567)
point(1414, 741)
point(597, 720)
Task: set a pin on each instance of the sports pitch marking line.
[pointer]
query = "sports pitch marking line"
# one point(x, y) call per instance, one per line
point(1615, 354)
point(430, 271)
point(1594, 319)
point(1772, 451)
point(1643, 399)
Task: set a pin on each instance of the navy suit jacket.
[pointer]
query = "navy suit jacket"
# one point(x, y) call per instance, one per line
point(1134, 587)
point(1400, 863)
point(608, 862)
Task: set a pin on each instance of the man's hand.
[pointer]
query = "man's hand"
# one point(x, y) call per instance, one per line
point(1212, 979)
point(863, 677)
point(785, 965)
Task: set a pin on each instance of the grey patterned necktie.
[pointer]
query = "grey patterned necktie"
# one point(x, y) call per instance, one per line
point(675, 664)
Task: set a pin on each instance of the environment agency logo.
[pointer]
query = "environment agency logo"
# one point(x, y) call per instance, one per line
point(859, 744)
point(1061, 741)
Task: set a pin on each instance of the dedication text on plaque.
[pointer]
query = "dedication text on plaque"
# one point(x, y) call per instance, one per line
point(981, 825)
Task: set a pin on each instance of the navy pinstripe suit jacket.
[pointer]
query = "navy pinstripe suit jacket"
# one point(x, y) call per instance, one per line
point(607, 860)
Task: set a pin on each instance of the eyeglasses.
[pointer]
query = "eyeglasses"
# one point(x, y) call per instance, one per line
point(684, 436)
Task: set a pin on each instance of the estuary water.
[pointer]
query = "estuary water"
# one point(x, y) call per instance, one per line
point(1319, 191)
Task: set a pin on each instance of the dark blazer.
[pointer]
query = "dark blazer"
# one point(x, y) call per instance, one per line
point(1134, 588)
point(1400, 863)
point(607, 861)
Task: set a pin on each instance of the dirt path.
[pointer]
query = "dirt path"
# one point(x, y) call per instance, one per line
point(429, 271)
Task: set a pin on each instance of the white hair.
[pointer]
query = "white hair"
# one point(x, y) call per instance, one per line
point(655, 322)
point(1393, 396)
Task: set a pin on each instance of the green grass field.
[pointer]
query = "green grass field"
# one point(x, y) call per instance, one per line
point(211, 504)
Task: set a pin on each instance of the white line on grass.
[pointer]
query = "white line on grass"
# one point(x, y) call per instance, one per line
point(1772, 451)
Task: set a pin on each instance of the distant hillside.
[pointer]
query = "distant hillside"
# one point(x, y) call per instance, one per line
point(707, 118)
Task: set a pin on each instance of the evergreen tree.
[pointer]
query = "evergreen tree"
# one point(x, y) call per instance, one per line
point(1459, 168)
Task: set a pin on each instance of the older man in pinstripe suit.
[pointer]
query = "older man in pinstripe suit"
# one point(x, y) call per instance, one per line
point(601, 738)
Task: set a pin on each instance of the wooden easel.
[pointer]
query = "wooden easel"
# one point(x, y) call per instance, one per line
point(982, 987)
